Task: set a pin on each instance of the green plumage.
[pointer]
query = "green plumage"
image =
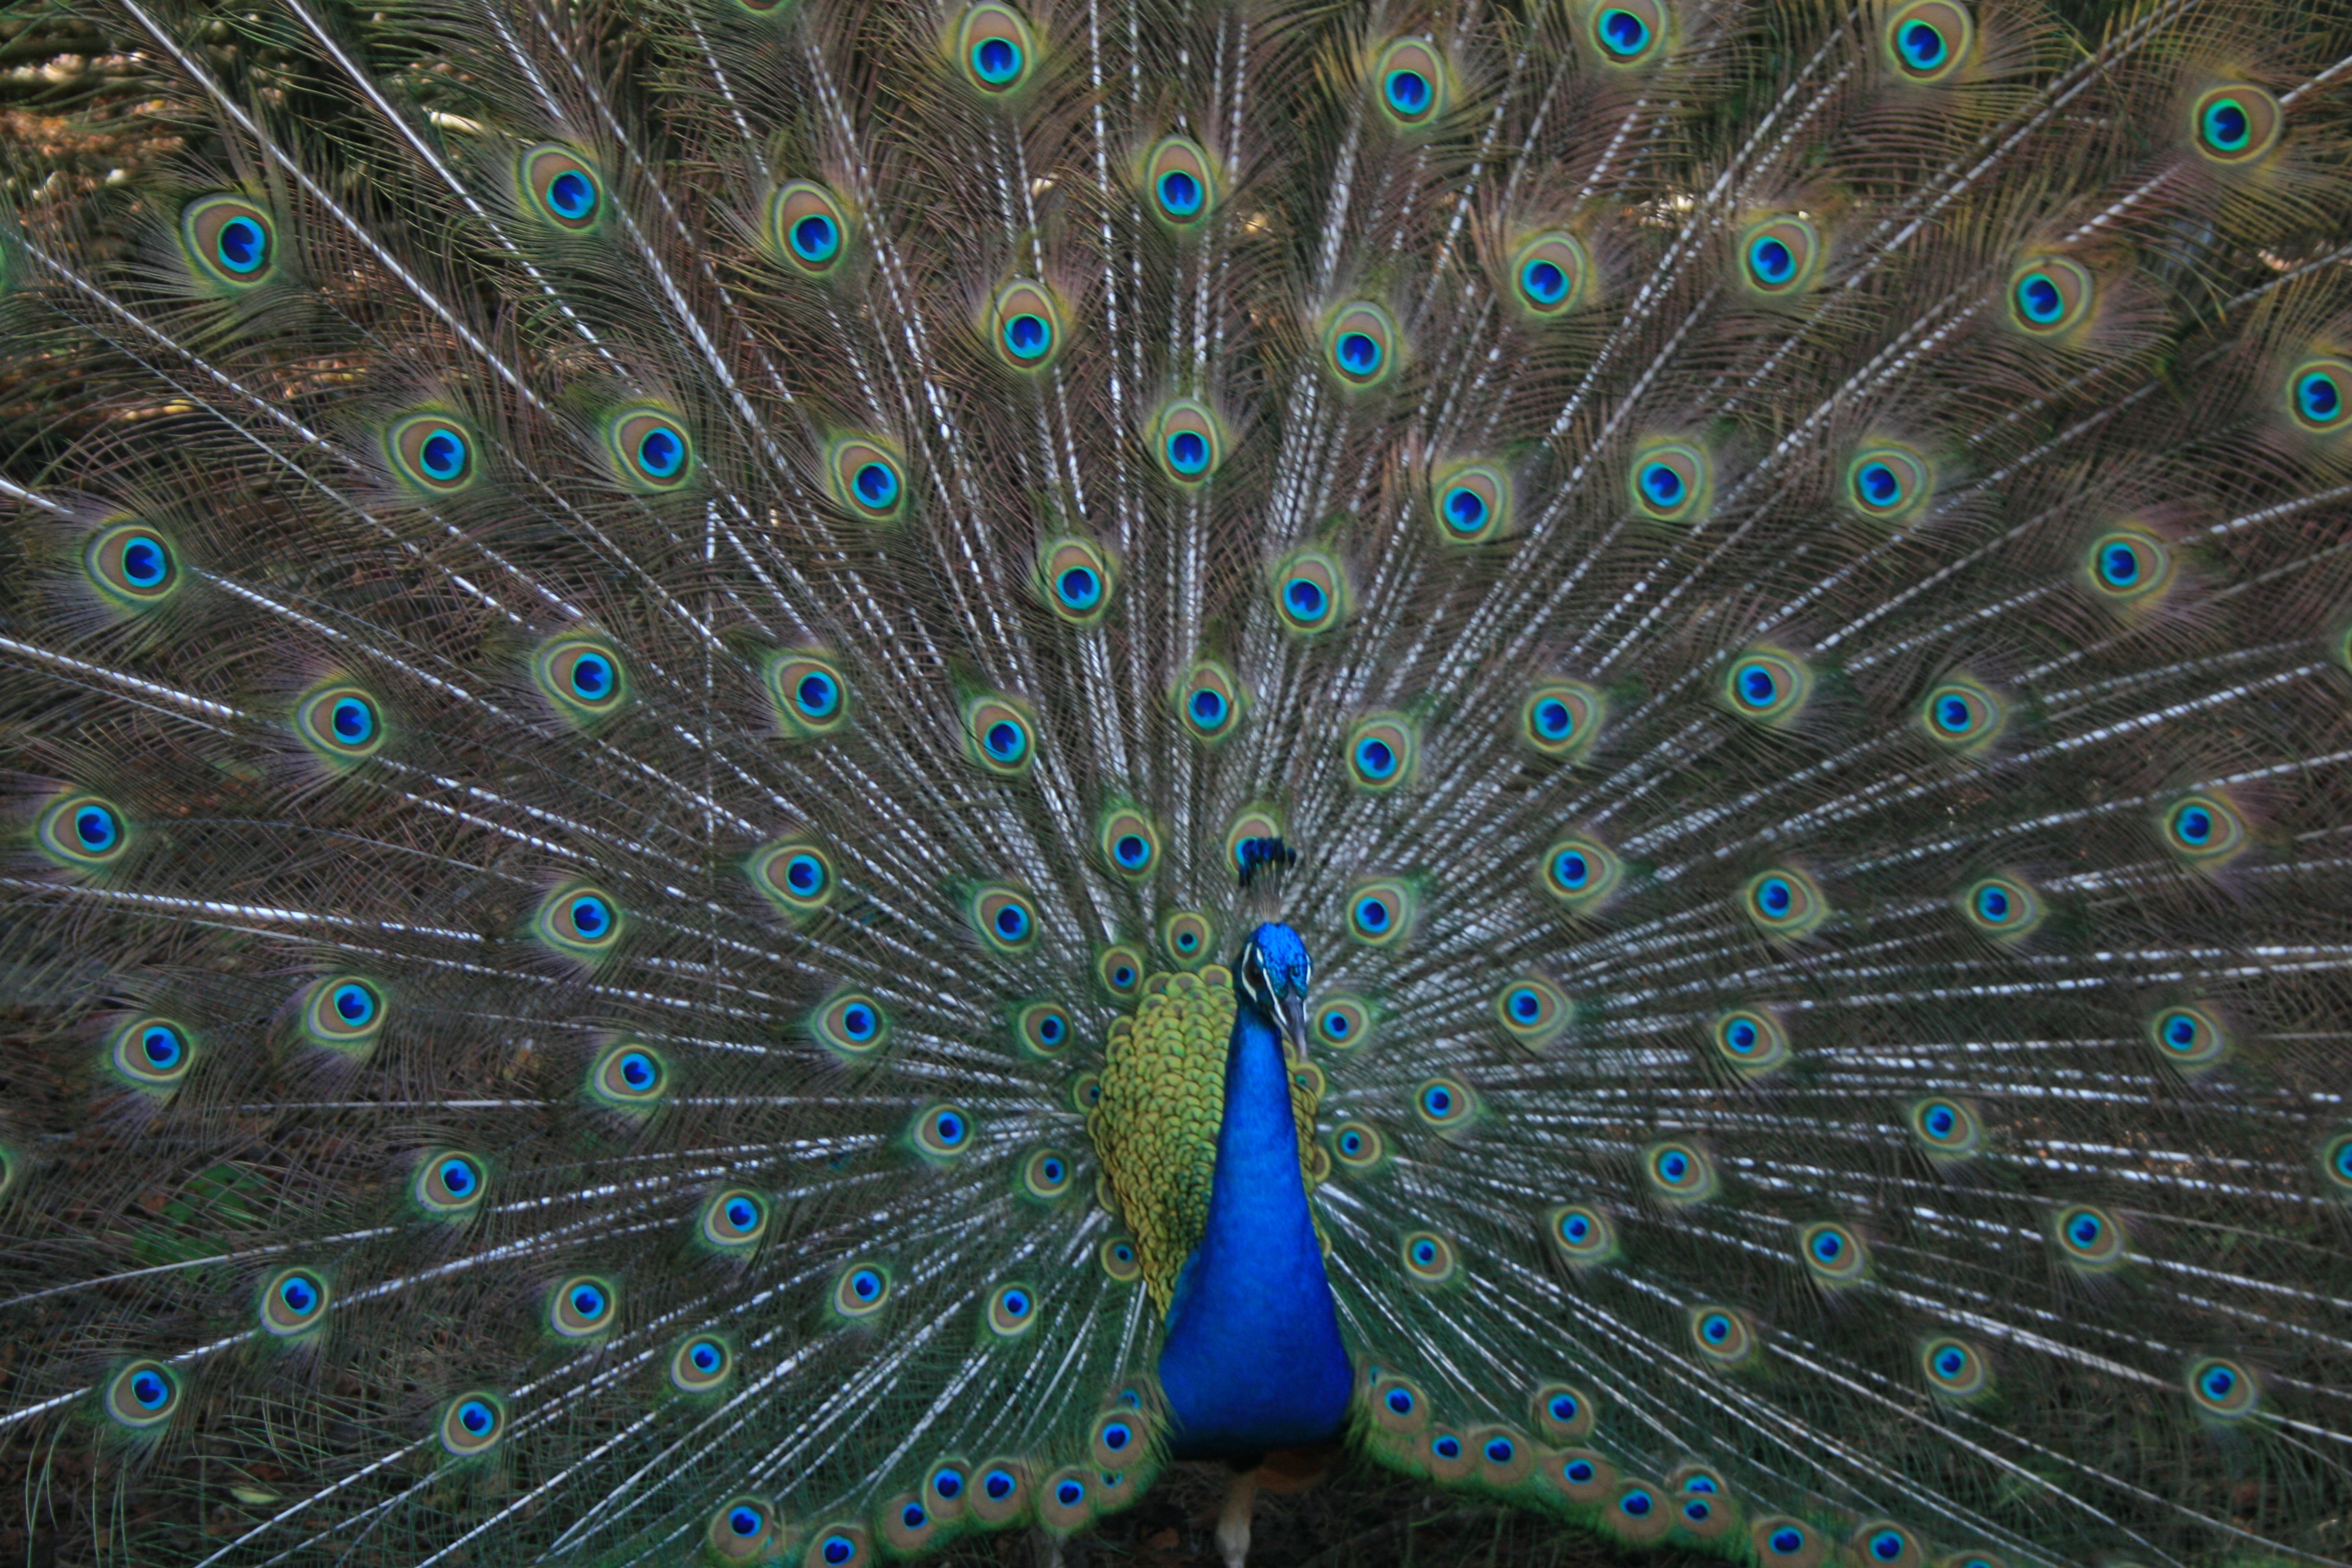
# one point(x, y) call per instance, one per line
point(639, 646)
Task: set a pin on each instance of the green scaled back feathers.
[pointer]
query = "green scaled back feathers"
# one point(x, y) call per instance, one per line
point(637, 641)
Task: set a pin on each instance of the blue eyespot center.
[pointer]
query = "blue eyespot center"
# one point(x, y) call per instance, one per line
point(2195, 825)
point(997, 1484)
point(2226, 124)
point(476, 1416)
point(816, 695)
point(661, 452)
point(1079, 589)
point(1376, 758)
point(1828, 1247)
point(913, 1517)
point(1952, 714)
point(1572, 868)
point(1005, 741)
point(1466, 509)
point(2084, 1230)
point(1359, 353)
point(1757, 686)
point(1773, 259)
point(1673, 1165)
point(1372, 914)
point(241, 246)
point(145, 564)
point(1545, 282)
point(442, 455)
point(1208, 709)
point(1786, 1541)
point(590, 917)
point(1564, 1407)
point(2039, 297)
point(95, 826)
point(1027, 335)
point(1499, 1450)
point(1575, 1227)
point(1741, 1035)
point(1886, 1546)
point(1877, 485)
point(1180, 192)
point(804, 874)
point(1012, 922)
point(997, 60)
point(353, 1004)
point(1187, 452)
point(1400, 1401)
point(1070, 1494)
point(857, 1021)
point(745, 1521)
point(588, 1301)
point(1950, 1362)
point(705, 1357)
point(1637, 1503)
point(877, 484)
point(742, 1214)
point(814, 237)
point(1553, 721)
point(1922, 46)
point(1050, 1028)
point(2320, 397)
point(1131, 851)
point(458, 1177)
point(573, 194)
point(1447, 1448)
point(1579, 1470)
point(351, 721)
point(1408, 91)
point(299, 1295)
point(1305, 598)
point(1438, 1101)
point(591, 676)
point(1992, 903)
point(1942, 1121)
point(949, 1127)
point(1336, 1025)
point(1775, 896)
point(1661, 484)
point(2119, 565)
point(160, 1045)
point(1625, 33)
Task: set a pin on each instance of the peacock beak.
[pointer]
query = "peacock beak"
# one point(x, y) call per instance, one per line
point(1293, 1028)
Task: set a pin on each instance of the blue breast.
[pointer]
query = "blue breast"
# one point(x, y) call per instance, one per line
point(1252, 1359)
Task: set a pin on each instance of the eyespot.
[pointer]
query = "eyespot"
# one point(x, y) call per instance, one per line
point(1181, 181)
point(1888, 484)
point(449, 1185)
point(2002, 907)
point(2233, 125)
point(1188, 938)
point(1444, 1103)
point(995, 48)
point(861, 1289)
point(1834, 1255)
point(1120, 1260)
point(1042, 1029)
point(471, 1423)
point(142, 1395)
point(1583, 1235)
point(1309, 592)
point(1076, 579)
point(343, 1012)
point(1955, 1368)
point(629, 1076)
point(1767, 685)
point(82, 832)
point(2335, 1164)
point(943, 1132)
point(2127, 567)
point(1562, 717)
point(1947, 1130)
point(1562, 1412)
point(1120, 969)
point(1783, 1542)
point(340, 723)
point(1581, 1474)
point(1381, 751)
point(153, 1054)
point(868, 478)
point(2204, 829)
point(2050, 295)
point(1129, 842)
point(808, 694)
point(1012, 1312)
point(795, 874)
point(734, 1219)
point(651, 449)
point(1250, 825)
point(1379, 913)
point(1342, 1021)
point(947, 1489)
point(1000, 1493)
point(807, 226)
point(580, 921)
point(1045, 1175)
point(1783, 902)
point(1359, 345)
point(1411, 81)
point(1548, 274)
point(1504, 1457)
point(582, 1306)
point(2222, 1388)
point(1533, 1011)
point(562, 188)
point(1678, 1173)
point(1883, 1544)
point(231, 241)
point(581, 677)
point(1062, 1501)
point(1188, 440)
point(1927, 40)
point(1780, 255)
point(2188, 1039)
point(2089, 1237)
point(1358, 1146)
point(432, 452)
point(701, 1363)
point(1722, 1336)
point(1638, 1513)
point(1024, 326)
point(1751, 1042)
point(743, 1530)
point(852, 1025)
point(132, 566)
point(1117, 1439)
point(2319, 394)
point(1397, 1406)
point(1085, 1091)
point(292, 1302)
point(1962, 715)
point(1428, 1257)
point(1473, 503)
point(1670, 482)
point(1630, 32)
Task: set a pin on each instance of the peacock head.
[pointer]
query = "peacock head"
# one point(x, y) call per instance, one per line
point(1273, 972)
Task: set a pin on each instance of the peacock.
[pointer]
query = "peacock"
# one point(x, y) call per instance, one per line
point(789, 779)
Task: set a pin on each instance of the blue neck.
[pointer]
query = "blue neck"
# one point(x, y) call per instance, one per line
point(1252, 1359)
